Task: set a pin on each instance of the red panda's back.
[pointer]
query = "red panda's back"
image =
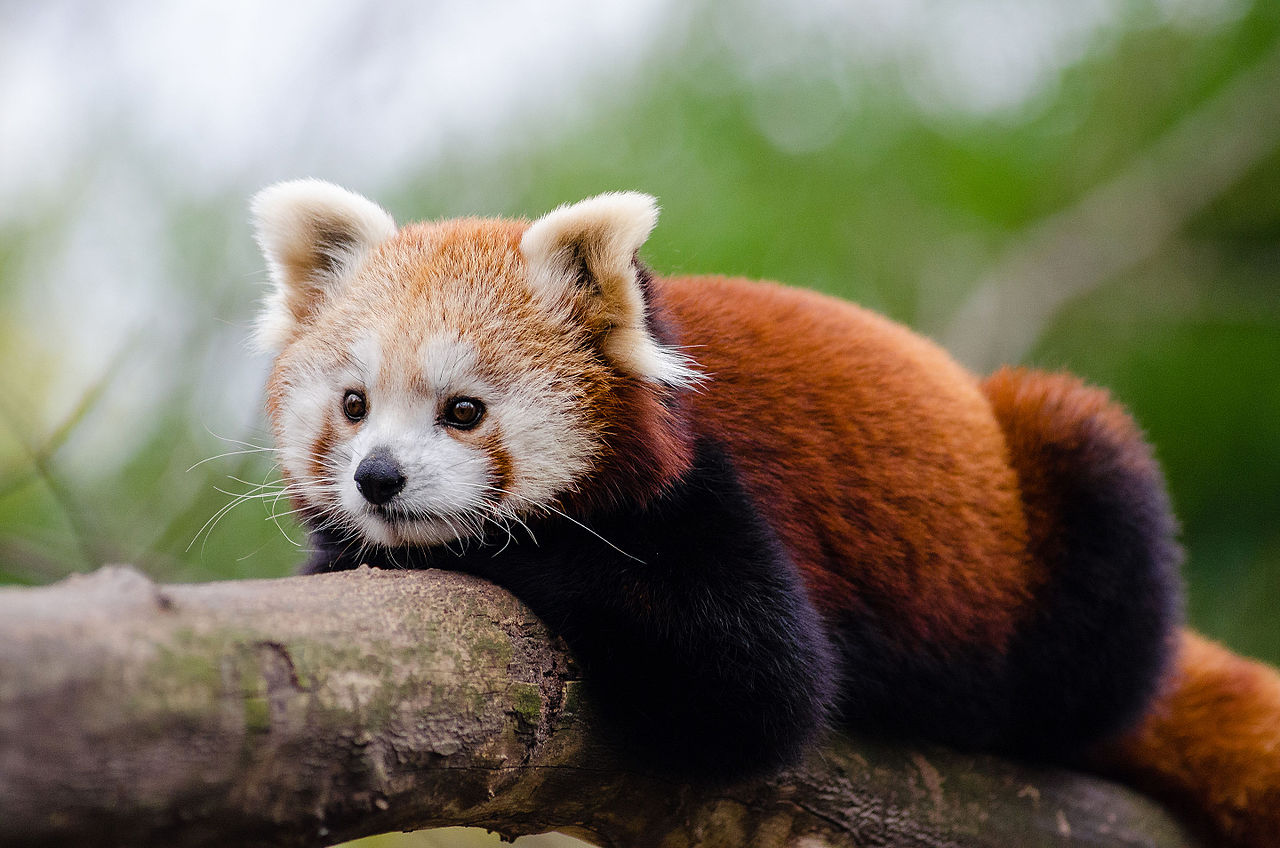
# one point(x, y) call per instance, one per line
point(874, 455)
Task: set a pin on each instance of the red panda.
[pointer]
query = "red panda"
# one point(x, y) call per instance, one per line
point(752, 511)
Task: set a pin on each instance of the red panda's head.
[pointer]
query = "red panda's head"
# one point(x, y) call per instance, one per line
point(438, 378)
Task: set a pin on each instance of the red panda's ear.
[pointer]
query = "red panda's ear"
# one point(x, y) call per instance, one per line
point(586, 253)
point(312, 235)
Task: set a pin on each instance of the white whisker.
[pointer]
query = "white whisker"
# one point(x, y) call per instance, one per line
point(229, 453)
point(231, 441)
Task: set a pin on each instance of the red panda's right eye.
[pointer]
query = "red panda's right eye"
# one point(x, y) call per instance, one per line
point(354, 405)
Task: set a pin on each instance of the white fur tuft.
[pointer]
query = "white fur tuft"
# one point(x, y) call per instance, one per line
point(620, 220)
point(605, 232)
point(312, 234)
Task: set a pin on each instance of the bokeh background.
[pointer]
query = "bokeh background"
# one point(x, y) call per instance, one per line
point(1083, 184)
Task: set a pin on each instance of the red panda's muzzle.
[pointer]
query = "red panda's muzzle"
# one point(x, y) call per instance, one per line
point(379, 477)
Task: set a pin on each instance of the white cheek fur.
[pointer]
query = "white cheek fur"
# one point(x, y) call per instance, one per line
point(548, 447)
point(307, 406)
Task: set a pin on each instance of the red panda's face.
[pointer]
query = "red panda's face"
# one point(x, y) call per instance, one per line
point(437, 395)
point(442, 380)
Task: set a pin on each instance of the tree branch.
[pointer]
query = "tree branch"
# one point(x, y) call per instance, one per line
point(318, 709)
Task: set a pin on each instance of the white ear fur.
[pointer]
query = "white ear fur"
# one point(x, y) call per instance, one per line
point(312, 234)
point(588, 248)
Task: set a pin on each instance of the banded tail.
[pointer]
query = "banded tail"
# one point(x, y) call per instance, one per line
point(1099, 639)
point(1104, 657)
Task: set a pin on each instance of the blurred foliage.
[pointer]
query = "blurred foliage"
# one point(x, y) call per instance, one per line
point(832, 175)
point(826, 179)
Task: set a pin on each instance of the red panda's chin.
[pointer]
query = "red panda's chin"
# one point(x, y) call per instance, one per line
point(396, 529)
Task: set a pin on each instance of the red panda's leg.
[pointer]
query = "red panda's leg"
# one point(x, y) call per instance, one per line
point(691, 623)
point(1212, 741)
point(330, 551)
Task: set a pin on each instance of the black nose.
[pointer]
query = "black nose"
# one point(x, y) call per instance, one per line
point(378, 477)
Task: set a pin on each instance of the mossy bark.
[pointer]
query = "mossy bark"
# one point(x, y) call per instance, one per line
point(313, 710)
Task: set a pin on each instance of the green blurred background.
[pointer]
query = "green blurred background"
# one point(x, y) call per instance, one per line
point(1091, 185)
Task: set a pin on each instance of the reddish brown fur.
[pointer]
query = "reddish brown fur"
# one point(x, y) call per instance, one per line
point(322, 449)
point(1039, 409)
point(1212, 741)
point(885, 471)
point(500, 459)
point(647, 447)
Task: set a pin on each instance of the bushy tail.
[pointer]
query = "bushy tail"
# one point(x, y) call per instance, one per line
point(1211, 742)
point(1100, 530)
point(1104, 657)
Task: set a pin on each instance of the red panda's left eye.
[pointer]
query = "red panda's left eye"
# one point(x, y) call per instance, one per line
point(354, 405)
point(463, 413)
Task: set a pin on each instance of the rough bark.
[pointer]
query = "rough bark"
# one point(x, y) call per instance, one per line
point(312, 710)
